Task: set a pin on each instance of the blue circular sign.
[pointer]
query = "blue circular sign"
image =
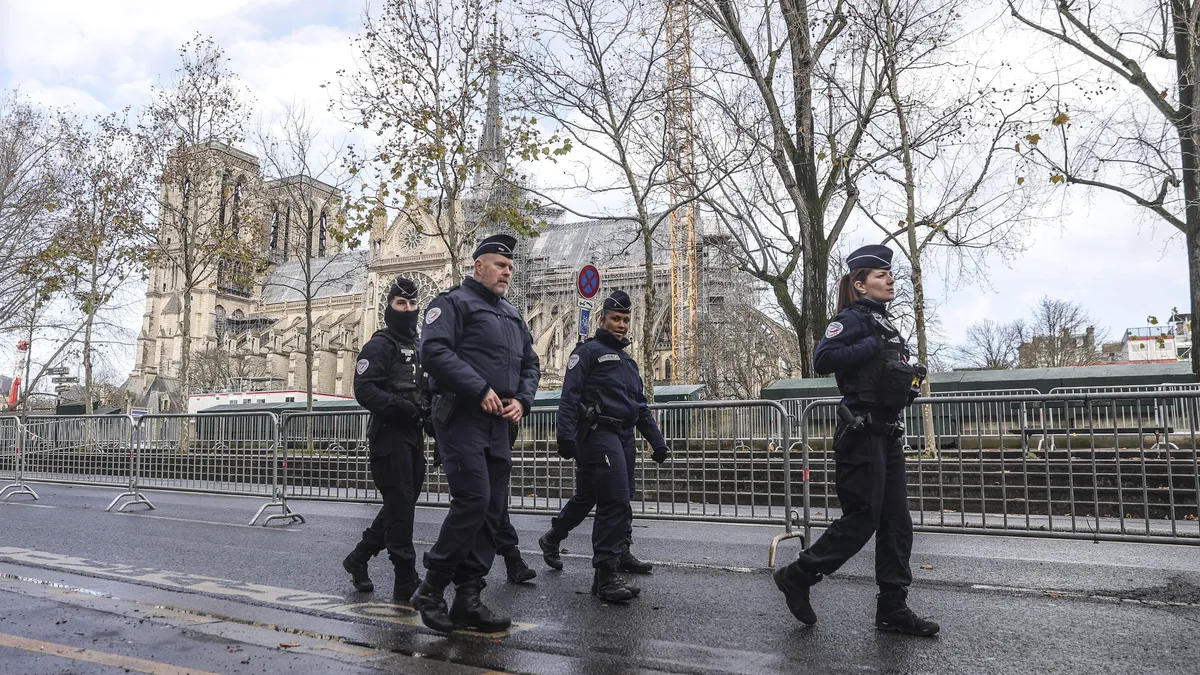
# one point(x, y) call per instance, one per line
point(588, 282)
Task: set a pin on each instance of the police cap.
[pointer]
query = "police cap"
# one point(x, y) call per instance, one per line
point(497, 243)
point(402, 288)
point(873, 256)
point(618, 301)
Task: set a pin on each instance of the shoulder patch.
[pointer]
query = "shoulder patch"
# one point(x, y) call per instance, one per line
point(573, 361)
point(835, 329)
point(432, 315)
point(609, 357)
point(361, 367)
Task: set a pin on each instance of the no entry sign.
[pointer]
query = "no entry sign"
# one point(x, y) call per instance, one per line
point(587, 282)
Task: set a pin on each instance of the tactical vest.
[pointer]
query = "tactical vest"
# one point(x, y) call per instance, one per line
point(884, 382)
point(406, 376)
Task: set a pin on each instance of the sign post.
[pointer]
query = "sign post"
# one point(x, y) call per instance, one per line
point(587, 284)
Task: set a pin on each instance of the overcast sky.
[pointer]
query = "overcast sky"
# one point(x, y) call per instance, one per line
point(100, 55)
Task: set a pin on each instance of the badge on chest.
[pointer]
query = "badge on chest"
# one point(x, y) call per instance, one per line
point(609, 357)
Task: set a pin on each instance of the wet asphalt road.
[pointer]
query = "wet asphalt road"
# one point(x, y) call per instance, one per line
point(1005, 604)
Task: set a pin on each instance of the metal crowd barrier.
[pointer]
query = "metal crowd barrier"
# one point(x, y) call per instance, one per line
point(729, 464)
point(12, 460)
point(1105, 465)
point(230, 453)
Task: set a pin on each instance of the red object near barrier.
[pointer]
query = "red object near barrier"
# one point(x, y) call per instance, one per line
point(12, 395)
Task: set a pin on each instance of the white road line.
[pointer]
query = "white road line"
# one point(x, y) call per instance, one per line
point(203, 522)
point(36, 506)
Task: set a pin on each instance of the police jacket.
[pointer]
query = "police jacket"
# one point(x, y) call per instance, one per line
point(602, 376)
point(868, 357)
point(474, 340)
point(386, 374)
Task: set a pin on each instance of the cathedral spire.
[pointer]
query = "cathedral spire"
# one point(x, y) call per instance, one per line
point(490, 145)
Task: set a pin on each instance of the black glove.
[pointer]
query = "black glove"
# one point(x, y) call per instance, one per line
point(566, 448)
point(427, 426)
point(404, 409)
point(661, 454)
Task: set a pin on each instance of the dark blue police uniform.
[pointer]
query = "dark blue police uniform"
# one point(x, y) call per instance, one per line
point(386, 383)
point(472, 341)
point(603, 401)
point(870, 362)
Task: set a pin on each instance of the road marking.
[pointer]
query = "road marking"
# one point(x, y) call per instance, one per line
point(274, 595)
point(92, 656)
point(203, 522)
point(36, 506)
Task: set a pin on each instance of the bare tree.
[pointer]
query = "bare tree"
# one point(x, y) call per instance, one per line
point(205, 235)
point(426, 67)
point(597, 70)
point(101, 246)
point(31, 167)
point(1059, 333)
point(216, 369)
point(309, 196)
point(1132, 128)
point(744, 351)
point(791, 89)
point(991, 345)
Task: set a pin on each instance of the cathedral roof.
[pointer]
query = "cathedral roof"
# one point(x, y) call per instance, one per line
point(607, 243)
point(342, 274)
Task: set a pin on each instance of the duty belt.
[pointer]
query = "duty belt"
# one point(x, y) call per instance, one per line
point(611, 423)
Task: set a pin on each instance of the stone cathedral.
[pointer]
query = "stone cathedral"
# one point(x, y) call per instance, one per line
point(258, 329)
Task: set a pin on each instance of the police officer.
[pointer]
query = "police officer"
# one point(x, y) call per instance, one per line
point(602, 401)
point(484, 374)
point(386, 383)
point(869, 359)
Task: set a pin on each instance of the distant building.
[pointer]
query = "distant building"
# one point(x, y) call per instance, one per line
point(1056, 351)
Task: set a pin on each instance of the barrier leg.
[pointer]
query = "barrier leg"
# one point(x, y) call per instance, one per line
point(132, 493)
point(279, 500)
point(18, 486)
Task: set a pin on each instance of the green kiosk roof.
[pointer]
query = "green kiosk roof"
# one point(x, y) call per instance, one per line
point(1041, 379)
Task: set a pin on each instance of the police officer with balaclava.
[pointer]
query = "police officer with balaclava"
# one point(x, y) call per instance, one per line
point(386, 383)
point(484, 373)
point(870, 361)
point(602, 402)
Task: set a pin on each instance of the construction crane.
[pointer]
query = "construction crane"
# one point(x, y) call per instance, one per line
point(685, 275)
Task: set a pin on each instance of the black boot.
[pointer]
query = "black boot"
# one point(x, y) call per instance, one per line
point(551, 552)
point(795, 582)
point(892, 613)
point(630, 563)
point(518, 571)
point(469, 612)
point(430, 600)
point(608, 583)
point(407, 583)
point(356, 565)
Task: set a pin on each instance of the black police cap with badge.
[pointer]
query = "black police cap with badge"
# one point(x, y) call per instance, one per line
point(872, 256)
point(502, 244)
point(618, 301)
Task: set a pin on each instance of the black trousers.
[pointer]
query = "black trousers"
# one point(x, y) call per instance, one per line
point(577, 508)
point(506, 536)
point(873, 492)
point(477, 461)
point(398, 470)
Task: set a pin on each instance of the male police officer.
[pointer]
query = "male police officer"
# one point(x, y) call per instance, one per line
point(602, 401)
point(479, 355)
point(386, 383)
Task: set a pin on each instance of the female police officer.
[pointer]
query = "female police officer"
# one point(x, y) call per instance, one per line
point(870, 361)
point(386, 383)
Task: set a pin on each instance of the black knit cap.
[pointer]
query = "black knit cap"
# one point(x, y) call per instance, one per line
point(403, 288)
point(497, 243)
point(618, 301)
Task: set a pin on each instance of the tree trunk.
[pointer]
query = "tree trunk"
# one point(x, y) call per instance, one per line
point(648, 312)
point(1189, 140)
point(87, 362)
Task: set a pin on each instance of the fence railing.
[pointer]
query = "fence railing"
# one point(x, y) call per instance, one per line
point(1080, 464)
point(1088, 463)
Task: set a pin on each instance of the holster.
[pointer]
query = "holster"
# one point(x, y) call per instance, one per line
point(444, 406)
point(374, 426)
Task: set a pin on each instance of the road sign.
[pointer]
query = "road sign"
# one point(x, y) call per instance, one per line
point(64, 380)
point(587, 282)
point(585, 315)
point(60, 370)
point(62, 388)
